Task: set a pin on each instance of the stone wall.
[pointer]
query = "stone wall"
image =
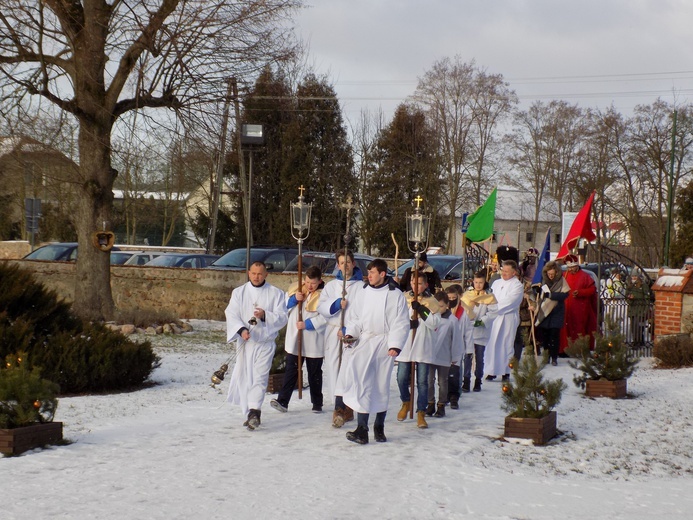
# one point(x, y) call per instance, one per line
point(186, 293)
point(10, 249)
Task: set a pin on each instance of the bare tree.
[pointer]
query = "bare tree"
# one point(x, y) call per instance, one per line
point(364, 137)
point(643, 151)
point(464, 106)
point(544, 151)
point(97, 61)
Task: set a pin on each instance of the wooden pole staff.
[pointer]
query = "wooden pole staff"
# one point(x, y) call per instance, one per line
point(414, 316)
point(347, 238)
point(394, 241)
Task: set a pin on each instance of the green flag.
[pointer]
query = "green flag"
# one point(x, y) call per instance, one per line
point(482, 220)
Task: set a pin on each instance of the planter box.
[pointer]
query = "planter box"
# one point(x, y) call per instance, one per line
point(603, 388)
point(539, 430)
point(18, 440)
point(274, 383)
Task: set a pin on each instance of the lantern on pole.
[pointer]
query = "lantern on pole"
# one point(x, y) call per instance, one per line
point(300, 229)
point(417, 241)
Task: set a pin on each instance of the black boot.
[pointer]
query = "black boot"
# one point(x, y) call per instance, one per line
point(430, 409)
point(465, 384)
point(359, 435)
point(253, 419)
point(379, 434)
point(454, 402)
point(477, 385)
point(440, 412)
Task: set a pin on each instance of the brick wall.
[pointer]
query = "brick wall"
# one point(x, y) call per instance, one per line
point(673, 301)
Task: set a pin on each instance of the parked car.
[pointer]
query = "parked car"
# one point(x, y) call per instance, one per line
point(326, 262)
point(196, 260)
point(449, 267)
point(120, 257)
point(275, 258)
point(592, 274)
point(141, 257)
point(58, 252)
point(64, 252)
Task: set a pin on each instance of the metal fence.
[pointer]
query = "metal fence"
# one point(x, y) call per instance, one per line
point(626, 301)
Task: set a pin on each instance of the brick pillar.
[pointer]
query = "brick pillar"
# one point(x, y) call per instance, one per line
point(673, 292)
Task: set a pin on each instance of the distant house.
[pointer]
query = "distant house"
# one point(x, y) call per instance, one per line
point(31, 169)
point(182, 205)
point(515, 222)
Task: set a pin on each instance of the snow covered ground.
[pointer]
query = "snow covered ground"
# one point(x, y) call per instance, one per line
point(177, 451)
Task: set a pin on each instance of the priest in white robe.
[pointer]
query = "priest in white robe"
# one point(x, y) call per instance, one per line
point(377, 328)
point(255, 315)
point(508, 291)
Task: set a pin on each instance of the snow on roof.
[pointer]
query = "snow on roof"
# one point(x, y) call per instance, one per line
point(669, 280)
point(7, 144)
point(22, 144)
point(156, 195)
point(512, 204)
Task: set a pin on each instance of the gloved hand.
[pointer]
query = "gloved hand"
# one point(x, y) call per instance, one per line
point(415, 305)
point(413, 324)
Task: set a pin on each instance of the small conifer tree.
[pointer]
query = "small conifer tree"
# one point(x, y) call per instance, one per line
point(25, 398)
point(529, 395)
point(611, 359)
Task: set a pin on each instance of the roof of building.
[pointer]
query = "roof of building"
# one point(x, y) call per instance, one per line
point(514, 204)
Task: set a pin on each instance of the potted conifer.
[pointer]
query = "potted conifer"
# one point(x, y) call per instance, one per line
point(604, 370)
point(27, 407)
point(530, 400)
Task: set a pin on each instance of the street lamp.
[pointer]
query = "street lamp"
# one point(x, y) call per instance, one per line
point(252, 135)
point(300, 229)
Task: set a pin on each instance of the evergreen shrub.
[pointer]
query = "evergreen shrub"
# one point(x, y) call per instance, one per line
point(674, 351)
point(611, 359)
point(25, 397)
point(79, 356)
point(529, 395)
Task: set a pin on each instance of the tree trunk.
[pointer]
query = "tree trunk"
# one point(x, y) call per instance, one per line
point(93, 298)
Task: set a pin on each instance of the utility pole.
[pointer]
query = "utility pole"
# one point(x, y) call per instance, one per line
point(220, 168)
point(241, 168)
point(670, 195)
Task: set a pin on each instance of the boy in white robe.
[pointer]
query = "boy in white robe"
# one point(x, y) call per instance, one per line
point(445, 352)
point(482, 312)
point(377, 330)
point(418, 351)
point(254, 316)
point(509, 293)
point(312, 328)
point(331, 305)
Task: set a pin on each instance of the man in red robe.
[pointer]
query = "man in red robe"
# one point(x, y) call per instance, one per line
point(581, 305)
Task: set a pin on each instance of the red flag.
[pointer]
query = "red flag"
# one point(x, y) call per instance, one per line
point(581, 228)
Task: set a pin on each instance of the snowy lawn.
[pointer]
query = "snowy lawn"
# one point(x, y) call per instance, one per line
point(177, 451)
